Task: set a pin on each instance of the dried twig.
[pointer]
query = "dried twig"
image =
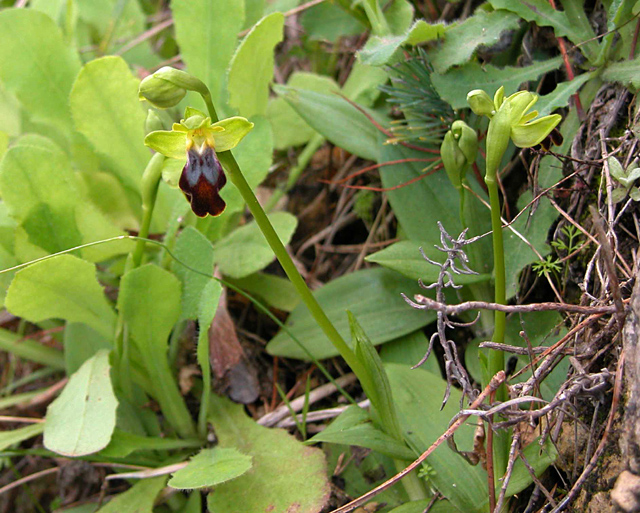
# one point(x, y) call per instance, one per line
point(426, 303)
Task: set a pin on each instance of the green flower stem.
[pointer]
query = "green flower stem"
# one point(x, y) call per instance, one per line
point(496, 358)
point(237, 178)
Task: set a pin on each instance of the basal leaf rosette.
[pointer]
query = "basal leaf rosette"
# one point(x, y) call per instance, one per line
point(196, 136)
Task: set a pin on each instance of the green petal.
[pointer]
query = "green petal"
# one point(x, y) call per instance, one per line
point(170, 144)
point(526, 136)
point(235, 129)
point(521, 102)
point(498, 98)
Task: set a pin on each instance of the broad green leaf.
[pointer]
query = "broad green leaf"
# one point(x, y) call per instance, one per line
point(380, 49)
point(36, 65)
point(62, 287)
point(462, 40)
point(419, 205)
point(399, 15)
point(106, 192)
point(405, 257)
point(374, 381)
point(106, 110)
point(418, 399)
point(275, 291)
point(15, 436)
point(81, 421)
point(336, 119)
point(564, 24)
point(149, 302)
point(254, 10)
point(251, 69)
point(137, 499)
point(288, 127)
point(123, 444)
point(41, 191)
point(211, 467)
point(193, 249)
point(454, 85)
point(81, 342)
point(245, 250)
point(254, 156)
point(372, 295)
point(207, 34)
point(13, 343)
point(354, 427)
point(625, 72)
point(10, 112)
point(561, 95)
point(329, 22)
point(363, 84)
point(286, 476)
point(409, 350)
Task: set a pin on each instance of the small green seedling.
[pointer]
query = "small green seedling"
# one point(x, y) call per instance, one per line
point(626, 178)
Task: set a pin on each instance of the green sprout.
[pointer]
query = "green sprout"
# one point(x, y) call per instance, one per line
point(626, 178)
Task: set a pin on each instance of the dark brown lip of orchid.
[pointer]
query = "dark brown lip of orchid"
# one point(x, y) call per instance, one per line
point(201, 180)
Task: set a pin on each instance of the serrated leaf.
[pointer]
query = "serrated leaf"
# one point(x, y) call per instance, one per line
point(380, 49)
point(625, 72)
point(454, 85)
point(251, 69)
point(81, 421)
point(245, 250)
point(561, 95)
point(62, 287)
point(373, 295)
point(286, 475)
point(207, 34)
point(462, 40)
point(544, 15)
point(36, 65)
point(106, 110)
point(211, 467)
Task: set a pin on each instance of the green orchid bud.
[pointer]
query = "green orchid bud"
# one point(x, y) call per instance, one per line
point(481, 103)
point(160, 93)
point(467, 140)
point(168, 86)
point(458, 151)
point(153, 122)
